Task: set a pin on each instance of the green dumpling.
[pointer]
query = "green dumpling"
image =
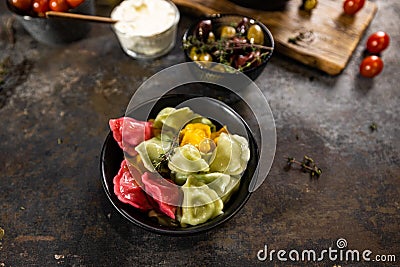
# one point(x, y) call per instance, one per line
point(187, 159)
point(223, 184)
point(232, 154)
point(200, 203)
point(207, 178)
point(151, 150)
point(162, 116)
point(174, 119)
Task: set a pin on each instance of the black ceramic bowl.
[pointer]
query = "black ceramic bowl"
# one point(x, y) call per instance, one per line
point(219, 20)
point(112, 155)
point(56, 31)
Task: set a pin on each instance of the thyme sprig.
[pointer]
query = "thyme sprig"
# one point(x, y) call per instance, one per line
point(306, 165)
point(221, 44)
point(161, 163)
point(222, 49)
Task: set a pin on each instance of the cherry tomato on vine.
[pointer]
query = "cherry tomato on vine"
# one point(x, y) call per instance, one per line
point(58, 5)
point(377, 42)
point(40, 6)
point(24, 5)
point(351, 7)
point(371, 66)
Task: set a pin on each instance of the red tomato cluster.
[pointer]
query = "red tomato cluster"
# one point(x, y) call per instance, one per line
point(42, 6)
point(373, 65)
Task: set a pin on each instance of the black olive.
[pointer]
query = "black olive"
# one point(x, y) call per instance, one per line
point(203, 29)
point(243, 26)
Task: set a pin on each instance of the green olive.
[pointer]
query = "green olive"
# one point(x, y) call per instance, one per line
point(205, 57)
point(255, 35)
point(227, 32)
point(194, 55)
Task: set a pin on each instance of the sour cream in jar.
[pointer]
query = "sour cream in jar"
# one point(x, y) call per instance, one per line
point(146, 28)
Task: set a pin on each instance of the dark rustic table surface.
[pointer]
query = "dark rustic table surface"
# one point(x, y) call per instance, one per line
point(55, 103)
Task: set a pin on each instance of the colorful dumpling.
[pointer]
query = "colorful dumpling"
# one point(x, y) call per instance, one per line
point(200, 203)
point(231, 188)
point(180, 178)
point(173, 118)
point(194, 169)
point(223, 184)
point(232, 154)
point(187, 159)
point(151, 150)
point(128, 133)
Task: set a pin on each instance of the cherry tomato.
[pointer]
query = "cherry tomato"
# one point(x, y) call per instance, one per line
point(58, 5)
point(377, 42)
point(74, 3)
point(371, 66)
point(40, 6)
point(351, 7)
point(22, 4)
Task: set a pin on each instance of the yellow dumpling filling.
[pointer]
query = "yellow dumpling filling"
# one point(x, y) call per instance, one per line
point(200, 136)
point(195, 133)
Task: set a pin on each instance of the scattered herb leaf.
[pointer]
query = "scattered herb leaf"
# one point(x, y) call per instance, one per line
point(373, 127)
point(307, 165)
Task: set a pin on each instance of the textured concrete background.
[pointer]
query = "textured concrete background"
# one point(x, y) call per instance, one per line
point(55, 103)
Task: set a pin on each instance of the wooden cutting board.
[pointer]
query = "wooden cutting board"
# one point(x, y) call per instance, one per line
point(329, 37)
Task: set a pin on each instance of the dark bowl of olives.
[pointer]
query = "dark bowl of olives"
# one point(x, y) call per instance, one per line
point(238, 43)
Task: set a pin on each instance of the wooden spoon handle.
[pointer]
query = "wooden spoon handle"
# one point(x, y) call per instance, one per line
point(80, 17)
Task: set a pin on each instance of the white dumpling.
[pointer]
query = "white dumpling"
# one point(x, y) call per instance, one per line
point(232, 154)
point(200, 203)
point(187, 159)
point(151, 150)
point(173, 118)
